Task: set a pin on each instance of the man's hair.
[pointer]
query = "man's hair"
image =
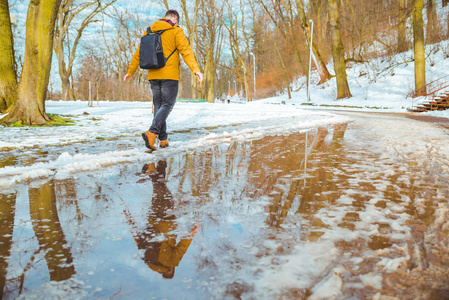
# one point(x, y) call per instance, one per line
point(172, 13)
point(169, 274)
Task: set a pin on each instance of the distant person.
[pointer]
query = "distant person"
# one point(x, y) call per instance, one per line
point(164, 81)
point(223, 98)
point(161, 256)
point(228, 97)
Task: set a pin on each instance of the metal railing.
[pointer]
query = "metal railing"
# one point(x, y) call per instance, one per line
point(431, 90)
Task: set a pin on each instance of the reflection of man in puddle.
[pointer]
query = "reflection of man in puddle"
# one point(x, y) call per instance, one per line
point(160, 255)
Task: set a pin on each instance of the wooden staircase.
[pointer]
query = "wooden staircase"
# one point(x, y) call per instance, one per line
point(436, 96)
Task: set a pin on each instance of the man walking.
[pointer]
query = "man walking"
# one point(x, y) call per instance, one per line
point(164, 81)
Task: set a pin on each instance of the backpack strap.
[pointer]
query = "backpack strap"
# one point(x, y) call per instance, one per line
point(158, 32)
point(171, 54)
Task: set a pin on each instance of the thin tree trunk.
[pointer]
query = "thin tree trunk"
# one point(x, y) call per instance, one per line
point(338, 52)
point(67, 13)
point(40, 23)
point(8, 75)
point(418, 47)
point(402, 25)
point(209, 72)
point(67, 90)
point(209, 69)
point(433, 28)
point(319, 36)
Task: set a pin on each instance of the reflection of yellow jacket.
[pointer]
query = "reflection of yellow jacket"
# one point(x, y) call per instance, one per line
point(173, 38)
point(170, 254)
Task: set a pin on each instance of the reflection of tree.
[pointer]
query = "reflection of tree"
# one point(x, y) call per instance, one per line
point(200, 173)
point(160, 256)
point(49, 232)
point(67, 195)
point(7, 212)
point(287, 156)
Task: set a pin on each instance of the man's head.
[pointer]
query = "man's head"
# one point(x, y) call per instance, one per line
point(172, 15)
point(169, 274)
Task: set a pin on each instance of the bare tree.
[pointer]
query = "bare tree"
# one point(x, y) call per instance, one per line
point(238, 39)
point(30, 105)
point(69, 11)
point(319, 62)
point(278, 22)
point(8, 75)
point(338, 52)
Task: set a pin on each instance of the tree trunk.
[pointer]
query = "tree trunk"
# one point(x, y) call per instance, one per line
point(209, 69)
point(338, 52)
point(8, 75)
point(67, 90)
point(319, 62)
point(418, 47)
point(433, 28)
point(402, 25)
point(40, 23)
point(210, 97)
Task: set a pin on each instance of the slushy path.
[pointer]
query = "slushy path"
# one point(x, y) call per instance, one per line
point(357, 210)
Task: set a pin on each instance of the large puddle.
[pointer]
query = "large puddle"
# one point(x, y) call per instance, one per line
point(314, 214)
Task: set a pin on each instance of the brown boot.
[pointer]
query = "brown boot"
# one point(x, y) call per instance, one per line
point(149, 139)
point(163, 144)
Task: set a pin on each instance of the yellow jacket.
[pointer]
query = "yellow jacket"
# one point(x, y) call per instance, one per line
point(170, 254)
point(173, 38)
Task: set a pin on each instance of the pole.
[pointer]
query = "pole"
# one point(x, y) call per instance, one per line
point(229, 89)
point(97, 93)
point(310, 61)
point(235, 87)
point(90, 94)
point(254, 73)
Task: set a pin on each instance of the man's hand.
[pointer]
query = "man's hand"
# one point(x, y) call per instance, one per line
point(199, 76)
point(127, 77)
point(195, 229)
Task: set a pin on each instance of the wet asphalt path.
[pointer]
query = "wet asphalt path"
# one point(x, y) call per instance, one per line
point(350, 210)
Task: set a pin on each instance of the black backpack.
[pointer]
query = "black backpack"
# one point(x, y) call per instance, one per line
point(151, 54)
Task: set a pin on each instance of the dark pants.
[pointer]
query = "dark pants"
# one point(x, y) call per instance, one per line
point(164, 98)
